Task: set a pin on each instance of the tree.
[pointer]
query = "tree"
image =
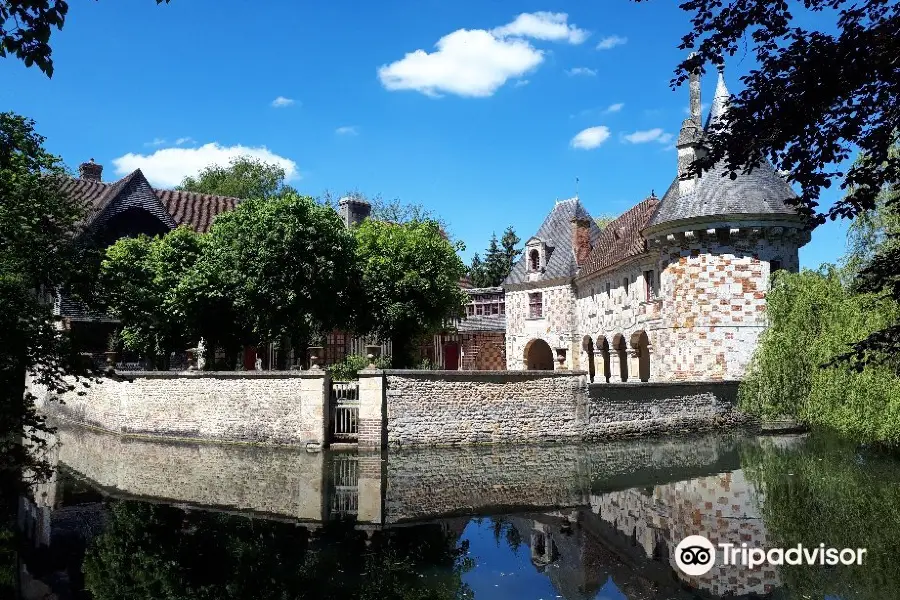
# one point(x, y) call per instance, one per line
point(139, 279)
point(814, 98)
point(287, 265)
point(26, 26)
point(603, 220)
point(245, 177)
point(410, 275)
point(39, 255)
point(498, 262)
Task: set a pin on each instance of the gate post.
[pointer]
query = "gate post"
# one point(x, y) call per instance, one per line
point(315, 396)
point(372, 409)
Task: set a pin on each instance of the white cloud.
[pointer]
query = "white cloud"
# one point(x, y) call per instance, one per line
point(282, 102)
point(614, 108)
point(156, 142)
point(184, 140)
point(542, 26)
point(650, 135)
point(475, 63)
point(347, 130)
point(590, 138)
point(611, 41)
point(521, 83)
point(167, 167)
point(575, 71)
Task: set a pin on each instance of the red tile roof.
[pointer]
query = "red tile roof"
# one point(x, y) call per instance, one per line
point(622, 238)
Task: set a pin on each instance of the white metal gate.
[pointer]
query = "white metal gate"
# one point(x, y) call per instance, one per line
point(344, 411)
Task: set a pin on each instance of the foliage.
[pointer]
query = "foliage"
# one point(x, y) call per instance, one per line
point(287, 266)
point(825, 491)
point(410, 274)
point(138, 279)
point(245, 177)
point(814, 316)
point(39, 254)
point(348, 368)
point(26, 26)
point(498, 262)
point(503, 526)
point(603, 220)
point(158, 551)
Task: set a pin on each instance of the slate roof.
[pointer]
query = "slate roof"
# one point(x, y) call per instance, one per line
point(186, 208)
point(556, 233)
point(622, 238)
point(482, 323)
point(760, 192)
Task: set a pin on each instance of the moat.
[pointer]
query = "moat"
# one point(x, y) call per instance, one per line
point(132, 519)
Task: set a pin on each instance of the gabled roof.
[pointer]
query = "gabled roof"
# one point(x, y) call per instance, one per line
point(192, 209)
point(622, 238)
point(556, 233)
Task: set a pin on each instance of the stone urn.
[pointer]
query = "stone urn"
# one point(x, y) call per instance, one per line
point(373, 353)
point(191, 359)
point(111, 359)
point(315, 357)
point(561, 359)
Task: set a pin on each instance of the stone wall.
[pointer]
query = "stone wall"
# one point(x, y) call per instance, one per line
point(557, 327)
point(286, 407)
point(470, 407)
point(475, 407)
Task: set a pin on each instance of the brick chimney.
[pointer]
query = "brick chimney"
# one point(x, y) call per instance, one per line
point(91, 171)
point(581, 239)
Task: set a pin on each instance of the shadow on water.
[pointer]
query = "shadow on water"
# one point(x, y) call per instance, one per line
point(128, 519)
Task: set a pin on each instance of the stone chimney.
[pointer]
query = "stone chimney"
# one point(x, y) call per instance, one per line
point(90, 171)
point(689, 138)
point(581, 239)
point(354, 210)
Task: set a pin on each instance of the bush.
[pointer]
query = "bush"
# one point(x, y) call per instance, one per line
point(353, 364)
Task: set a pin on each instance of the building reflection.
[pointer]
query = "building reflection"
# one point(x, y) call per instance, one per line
point(589, 515)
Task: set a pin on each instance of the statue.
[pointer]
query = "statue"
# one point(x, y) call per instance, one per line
point(201, 355)
point(258, 364)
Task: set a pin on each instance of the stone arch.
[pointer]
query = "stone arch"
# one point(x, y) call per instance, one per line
point(640, 346)
point(489, 358)
point(587, 344)
point(620, 348)
point(603, 349)
point(538, 356)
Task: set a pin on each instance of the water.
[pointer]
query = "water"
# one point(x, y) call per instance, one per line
point(136, 520)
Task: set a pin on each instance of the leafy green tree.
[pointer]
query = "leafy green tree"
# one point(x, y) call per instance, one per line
point(26, 26)
point(39, 255)
point(477, 272)
point(603, 220)
point(245, 177)
point(410, 274)
point(287, 265)
point(139, 279)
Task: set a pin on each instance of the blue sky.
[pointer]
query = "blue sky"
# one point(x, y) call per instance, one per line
point(488, 129)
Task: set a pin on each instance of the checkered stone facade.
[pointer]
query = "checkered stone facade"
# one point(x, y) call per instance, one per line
point(557, 326)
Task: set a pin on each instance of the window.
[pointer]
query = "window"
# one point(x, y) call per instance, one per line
point(495, 309)
point(479, 309)
point(470, 310)
point(650, 287)
point(503, 308)
point(625, 285)
point(608, 289)
point(534, 260)
point(535, 305)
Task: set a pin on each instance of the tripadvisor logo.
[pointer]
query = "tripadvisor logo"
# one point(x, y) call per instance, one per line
point(696, 555)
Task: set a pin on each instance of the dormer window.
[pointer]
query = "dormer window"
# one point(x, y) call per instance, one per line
point(534, 260)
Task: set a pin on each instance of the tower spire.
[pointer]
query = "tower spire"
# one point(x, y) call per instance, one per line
point(720, 100)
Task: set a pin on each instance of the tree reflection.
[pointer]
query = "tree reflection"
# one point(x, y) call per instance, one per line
point(162, 552)
point(837, 494)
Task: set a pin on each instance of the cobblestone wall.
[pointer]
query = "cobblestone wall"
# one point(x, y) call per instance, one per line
point(465, 407)
point(263, 407)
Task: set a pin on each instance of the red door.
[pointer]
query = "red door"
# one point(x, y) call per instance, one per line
point(249, 358)
point(451, 356)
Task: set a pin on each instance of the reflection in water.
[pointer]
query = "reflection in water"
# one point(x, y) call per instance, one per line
point(129, 519)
